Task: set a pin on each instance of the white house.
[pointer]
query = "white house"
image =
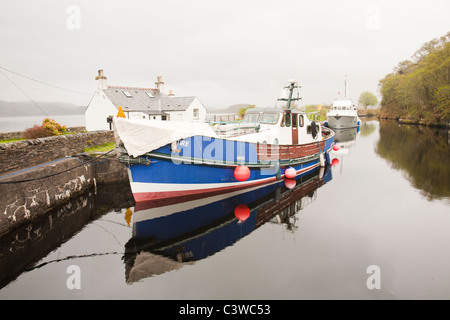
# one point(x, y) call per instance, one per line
point(139, 103)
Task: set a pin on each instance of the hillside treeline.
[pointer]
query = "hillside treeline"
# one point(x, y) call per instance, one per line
point(419, 89)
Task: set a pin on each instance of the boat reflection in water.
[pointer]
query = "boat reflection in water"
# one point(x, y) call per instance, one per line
point(345, 139)
point(347, 136)
point(166, 238)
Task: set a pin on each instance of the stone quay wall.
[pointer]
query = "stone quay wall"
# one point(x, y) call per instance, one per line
point(40, 175)
point(28, 153)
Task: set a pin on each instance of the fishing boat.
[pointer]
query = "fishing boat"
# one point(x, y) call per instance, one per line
point(170, 161)
point(343, 113)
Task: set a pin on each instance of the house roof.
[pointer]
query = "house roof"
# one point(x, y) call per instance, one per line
point(146, 100)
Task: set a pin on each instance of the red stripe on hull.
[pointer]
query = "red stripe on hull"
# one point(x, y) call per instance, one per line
point(147, 200)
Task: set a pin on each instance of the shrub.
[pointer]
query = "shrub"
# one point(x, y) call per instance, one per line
point(36, 132)
point(53, 127)
point(48, 128)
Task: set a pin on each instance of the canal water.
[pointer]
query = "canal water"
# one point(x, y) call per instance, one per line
point(374, 225)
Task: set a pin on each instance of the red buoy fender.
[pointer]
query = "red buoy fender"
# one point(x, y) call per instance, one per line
point(290, 173)
point(242, 212)
point(242, 173)
point(335, 162)
point(290, 183)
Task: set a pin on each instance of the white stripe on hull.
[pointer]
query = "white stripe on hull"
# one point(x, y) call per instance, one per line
point(138, 187)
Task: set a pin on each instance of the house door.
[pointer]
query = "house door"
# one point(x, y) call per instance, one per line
point(294, 128)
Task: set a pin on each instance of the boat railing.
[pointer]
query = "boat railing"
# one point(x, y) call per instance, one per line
point(236, 128)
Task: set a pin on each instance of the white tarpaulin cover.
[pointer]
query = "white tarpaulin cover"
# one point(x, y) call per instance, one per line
point(141, 136)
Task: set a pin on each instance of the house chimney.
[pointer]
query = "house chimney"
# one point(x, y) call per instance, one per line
point(159, 84)
point(170, 93)
point(101, 80)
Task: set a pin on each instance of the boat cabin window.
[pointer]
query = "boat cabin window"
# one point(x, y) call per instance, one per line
point(294, 120)
point(300, 120)
point(286, 120)
point(269, 118)
point(251, 117)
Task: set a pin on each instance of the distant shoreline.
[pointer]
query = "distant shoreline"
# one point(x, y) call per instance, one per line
point(21, 123)
point(43, 116)
point(38, 108)
point(418, 123)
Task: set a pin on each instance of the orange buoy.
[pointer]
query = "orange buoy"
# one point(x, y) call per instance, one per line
point(242, 173)
point(242, 212)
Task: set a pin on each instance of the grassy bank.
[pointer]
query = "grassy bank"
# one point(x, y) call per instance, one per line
point(103, 148)
point(10, 140)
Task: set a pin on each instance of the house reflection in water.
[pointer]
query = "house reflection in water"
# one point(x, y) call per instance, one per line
point(166, 238)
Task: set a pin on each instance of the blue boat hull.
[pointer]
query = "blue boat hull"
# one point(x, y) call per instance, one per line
point(198, 167)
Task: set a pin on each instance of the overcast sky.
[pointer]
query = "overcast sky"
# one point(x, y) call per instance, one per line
point(223, 52)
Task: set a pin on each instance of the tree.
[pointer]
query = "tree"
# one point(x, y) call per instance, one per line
point(419, 90)
point(242, 110)
point(367, 99)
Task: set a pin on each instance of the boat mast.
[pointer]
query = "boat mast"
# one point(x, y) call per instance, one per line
point(345, 86)
point(293, 84)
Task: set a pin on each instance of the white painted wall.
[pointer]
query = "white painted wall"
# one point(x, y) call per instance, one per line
point(98, 110)
point(101, 107)
point(136, 115)
point(189, 113)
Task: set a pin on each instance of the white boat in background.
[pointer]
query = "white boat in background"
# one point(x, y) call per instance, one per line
point(343, 114)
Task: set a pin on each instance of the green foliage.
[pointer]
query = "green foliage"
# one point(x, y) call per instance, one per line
point(367, 99)
point(315, 114)
point(242, 110)
point(419, 90)
point(103, 148)
point(10, 140)
point(53, 127)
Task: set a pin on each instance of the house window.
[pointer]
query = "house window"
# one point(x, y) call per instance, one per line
point(127, 94)
point(163, 117)
point(195, 114)
point(150, 94)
